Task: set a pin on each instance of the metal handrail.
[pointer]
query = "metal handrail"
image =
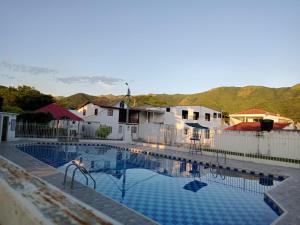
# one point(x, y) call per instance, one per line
point(222, 153)
point(217, 172)
point(83, 171)
point(66, 172)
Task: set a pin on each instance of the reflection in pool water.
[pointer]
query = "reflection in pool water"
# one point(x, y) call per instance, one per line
point(168, 191)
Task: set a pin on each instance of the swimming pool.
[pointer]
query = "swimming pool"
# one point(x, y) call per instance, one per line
point(167, 191)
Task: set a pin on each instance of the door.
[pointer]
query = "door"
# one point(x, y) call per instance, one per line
point(4, 128)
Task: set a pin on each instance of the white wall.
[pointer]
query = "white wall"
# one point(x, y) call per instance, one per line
point(169, 127)
point(150, 132)
point(11, 125)
point(102, 118)
point(174, 117)
point(284, 144)
point(238, 118)
point(151, 117)
point(168, 134)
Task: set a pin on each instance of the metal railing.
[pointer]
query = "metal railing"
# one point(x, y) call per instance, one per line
point(85, 130)
point(78, 166)
point(35, 130)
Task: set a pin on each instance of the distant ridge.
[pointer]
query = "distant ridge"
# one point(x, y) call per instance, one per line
point(285, 100)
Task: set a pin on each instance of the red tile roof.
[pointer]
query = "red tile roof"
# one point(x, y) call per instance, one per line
point(256, 111)
point(254, 126)
point(59, 112)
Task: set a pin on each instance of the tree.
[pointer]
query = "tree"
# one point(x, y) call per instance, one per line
point(30, 99)
point(39, 117)
point(23, 98)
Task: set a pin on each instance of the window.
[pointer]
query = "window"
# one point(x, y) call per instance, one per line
point(185, 131)
point(215, 115)
point(96, 112)
point(196, 116)
point(207, 134)
point(168, 109)
point(219, 115)
point(110, 112)
point(110, 129)
point(84, 112)
point(122, 104)
point(120, 129)
point(185, 114)
point(148, 117)
point(13, 125)
point(207, 116)
point(195, 133)
point(133, 130)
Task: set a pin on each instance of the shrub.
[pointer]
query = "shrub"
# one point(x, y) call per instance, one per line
point(103, 131)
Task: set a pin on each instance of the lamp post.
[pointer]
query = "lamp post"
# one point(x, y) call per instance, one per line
point(128, 103)
point(128, 136)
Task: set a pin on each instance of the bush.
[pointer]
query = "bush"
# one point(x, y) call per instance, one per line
point(12, 109)
point(103, 131)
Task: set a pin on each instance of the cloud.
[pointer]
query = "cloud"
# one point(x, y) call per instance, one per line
point(34, 70)
point(104, 80)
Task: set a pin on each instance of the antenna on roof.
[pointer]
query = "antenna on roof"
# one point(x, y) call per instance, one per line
point(128, 90)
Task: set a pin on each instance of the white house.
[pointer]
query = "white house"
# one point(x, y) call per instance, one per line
point(256, 115)
point(113, 115)
point(178, 124)
point(7, 126)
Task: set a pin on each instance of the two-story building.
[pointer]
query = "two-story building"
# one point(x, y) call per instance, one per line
point(178, 124)
point(174, 124)
point(110, 114)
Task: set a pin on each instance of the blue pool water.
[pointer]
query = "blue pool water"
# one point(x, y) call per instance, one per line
point(168, 191)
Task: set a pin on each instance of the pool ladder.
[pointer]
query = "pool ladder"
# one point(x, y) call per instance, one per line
point(79, 166)
point(219, 156)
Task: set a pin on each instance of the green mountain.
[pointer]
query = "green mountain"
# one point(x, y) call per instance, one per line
point(285, 101)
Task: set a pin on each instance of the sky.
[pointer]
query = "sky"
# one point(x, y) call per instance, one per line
point(64, 47)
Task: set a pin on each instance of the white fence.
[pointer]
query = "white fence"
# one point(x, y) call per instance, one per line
point(83, 130)
point(280, 145)
point(170, 135)
point(33, 130)
point(158, 133)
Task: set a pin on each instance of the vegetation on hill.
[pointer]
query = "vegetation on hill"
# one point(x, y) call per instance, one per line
point(23, 98)
point(285, 101)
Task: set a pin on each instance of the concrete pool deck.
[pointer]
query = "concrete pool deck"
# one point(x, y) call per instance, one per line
point(286, 195)
point(96, 200)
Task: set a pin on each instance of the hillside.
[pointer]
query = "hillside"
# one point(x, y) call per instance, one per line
point(285, 101)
